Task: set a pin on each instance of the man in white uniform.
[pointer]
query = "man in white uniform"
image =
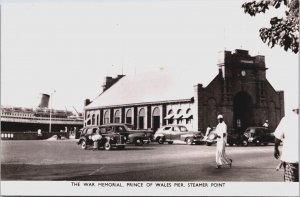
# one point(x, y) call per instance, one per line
point(266, 124)
point(287, 132)
point(221, 132)
point(96, 137)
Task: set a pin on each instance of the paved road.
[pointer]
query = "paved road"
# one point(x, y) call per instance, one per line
point(64, 160)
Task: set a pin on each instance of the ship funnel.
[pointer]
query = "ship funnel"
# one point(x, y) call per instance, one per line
point(44, 101)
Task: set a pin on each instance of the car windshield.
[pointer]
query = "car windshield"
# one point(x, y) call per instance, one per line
point(167, 128)
point(89, 131)
point(183, 129)
point(129, 126)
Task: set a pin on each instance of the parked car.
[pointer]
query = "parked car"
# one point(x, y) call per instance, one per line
point(137, 137)
point(170, 133)
point(235, 138)
point(108, 139)
point(258, 136)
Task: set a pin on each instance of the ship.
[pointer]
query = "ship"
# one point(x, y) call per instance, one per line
point(42, 118)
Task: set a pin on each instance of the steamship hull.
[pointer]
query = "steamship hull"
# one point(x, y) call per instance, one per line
point(34, 124)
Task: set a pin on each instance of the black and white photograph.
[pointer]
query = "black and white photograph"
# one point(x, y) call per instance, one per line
point(149, 98)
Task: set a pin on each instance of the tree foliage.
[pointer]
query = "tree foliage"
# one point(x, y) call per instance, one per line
point(283, 31)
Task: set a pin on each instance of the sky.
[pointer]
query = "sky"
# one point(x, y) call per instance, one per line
point(66, 48)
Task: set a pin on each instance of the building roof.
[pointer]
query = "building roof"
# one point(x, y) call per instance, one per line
point(148, 87)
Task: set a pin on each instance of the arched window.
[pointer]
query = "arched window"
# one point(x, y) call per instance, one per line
point(170, 117)
point(179, 116)
point(141, 118)
point(156, 112)
point(129, 116)
point(88, 120)
point(106, 117)
point(93, 119)
point(188, 116)
point(117, 116)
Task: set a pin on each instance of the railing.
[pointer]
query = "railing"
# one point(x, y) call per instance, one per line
point(40, 120)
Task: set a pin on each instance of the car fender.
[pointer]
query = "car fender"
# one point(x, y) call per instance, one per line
point(106, 139)
point(134, 136)
point(185, 136)
point(158, 135)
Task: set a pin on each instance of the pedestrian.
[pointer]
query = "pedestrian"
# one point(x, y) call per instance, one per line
point(266, 124)
point(221, 135)
point(287, 132)
point(96, 137)
point(39, 132)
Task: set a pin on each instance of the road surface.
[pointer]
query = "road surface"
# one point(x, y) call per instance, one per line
point(65, 160)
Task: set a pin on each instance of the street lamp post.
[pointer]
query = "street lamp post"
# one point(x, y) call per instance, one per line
point(51, 111)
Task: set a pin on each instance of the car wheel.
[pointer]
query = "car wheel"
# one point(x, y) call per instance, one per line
point(83, 144)
point(208, 143)
point(107, 145)
point(244, 143)
point(266, 143)
point(161, 140)
point(189, 141)
point(138, 142)
point(171, 142)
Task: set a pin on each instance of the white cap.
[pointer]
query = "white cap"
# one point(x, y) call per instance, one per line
point(220, 116)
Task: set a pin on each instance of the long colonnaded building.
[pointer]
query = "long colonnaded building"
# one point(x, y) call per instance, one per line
point(240, 91)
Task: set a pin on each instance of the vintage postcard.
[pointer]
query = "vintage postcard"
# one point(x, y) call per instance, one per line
point(149, 98)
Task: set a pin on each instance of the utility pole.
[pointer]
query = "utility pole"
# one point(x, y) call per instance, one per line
point(50, 120)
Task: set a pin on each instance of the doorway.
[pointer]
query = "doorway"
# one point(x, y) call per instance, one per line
point(242, 111)
point(156, 119)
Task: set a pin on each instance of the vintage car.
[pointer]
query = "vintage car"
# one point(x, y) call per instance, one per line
point(258, 136)
point(235, 138)
point(108, 139)
point(137, 137)
point(170, 133)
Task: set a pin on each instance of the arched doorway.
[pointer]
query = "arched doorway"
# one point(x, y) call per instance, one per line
point(141, 118)
point(242, 111)
point(117, 116)
point(93, 119)
point(106, 117)
point(156, 119)
point(129, 116)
